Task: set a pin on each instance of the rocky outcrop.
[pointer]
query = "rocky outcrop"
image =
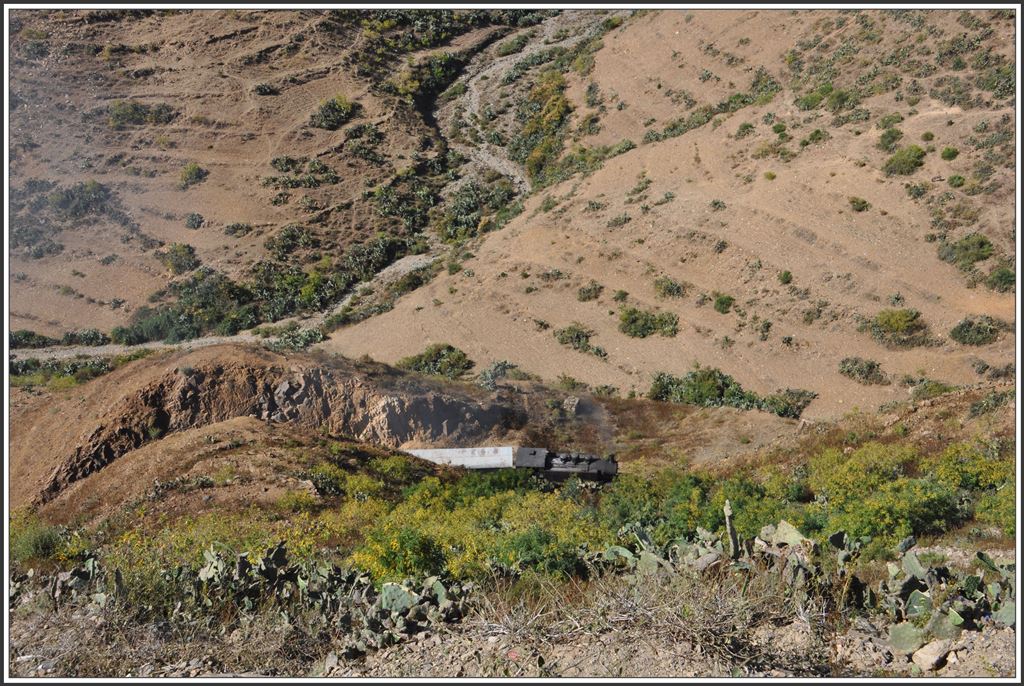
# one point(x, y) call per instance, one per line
point(337, 398)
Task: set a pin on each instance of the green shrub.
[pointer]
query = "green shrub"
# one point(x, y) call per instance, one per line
point(785, 277)
point(668, 287)
point(770, 175)
point(999, 509)
point(333, 113)
point(809, 101)
point(91, 337)
point(297, 501)
point(193, 220)
point(591, 291)
point(439, 359)
point(980, 330)
point(844, 479)
point(80, 200)
point(121, 113)
point(513, 45)
point(33, 539)
point(949, 153)
point(906, 161)
point(925, 389)
point(703, 386)
point(1002, 279)
point(577, 337)
point(24, 338)
point(641, 323)
point(859, 204)
point(887, 141)
point(967, 467)
point(723, 303)
point(863, 371)
point(179, 258)
point(974, 247)
point(927, 136)
point(191, 174)
point(745, 129)
point(710, 387)
point(899, 328)
point(956, 181)
point(899, 509)
point(620, 296)
point(619, 220)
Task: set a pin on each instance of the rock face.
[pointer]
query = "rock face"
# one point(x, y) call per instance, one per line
point(337, 397)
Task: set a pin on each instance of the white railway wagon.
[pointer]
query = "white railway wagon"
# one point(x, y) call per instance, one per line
point(557, 465)
point(493, 457)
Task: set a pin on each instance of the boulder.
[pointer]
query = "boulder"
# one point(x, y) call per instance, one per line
point(932, 656)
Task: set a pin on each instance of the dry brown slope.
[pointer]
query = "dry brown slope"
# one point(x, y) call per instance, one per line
point(801, 222)
point(205, 64)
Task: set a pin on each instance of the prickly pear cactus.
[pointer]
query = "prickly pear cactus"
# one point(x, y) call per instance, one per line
point(905, 637)
point(396, 598)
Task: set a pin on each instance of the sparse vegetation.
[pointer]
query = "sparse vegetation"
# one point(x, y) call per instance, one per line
point(439, 359)
point(179, 258)
point(980, 330)
point(191, 174)
point(899, 328)
point(639, 323)
point(974, 247)
point(590, 291)
point(859, 204)
point(577, 337)
point(710, 387)
point(122, 113)
point(334, 113)
point(906, 161)
point(667, 287)
point(863, 371)
point(723, 303)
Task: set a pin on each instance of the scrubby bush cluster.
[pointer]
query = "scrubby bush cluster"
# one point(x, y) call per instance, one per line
point(439, 359)
point(590, 291)
point(208, 301)
point(577, 337)
point(905, 161)
point(191, 174)
point(980, 330)
point(863, 371)
point(973, 247)
point(899, 328)
point(333, 113)
point(25, 338)
point(710, 387)
point(667, 287)
point(642, 323)
point(179, 258)
point(65, 373)
point(121, 113)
